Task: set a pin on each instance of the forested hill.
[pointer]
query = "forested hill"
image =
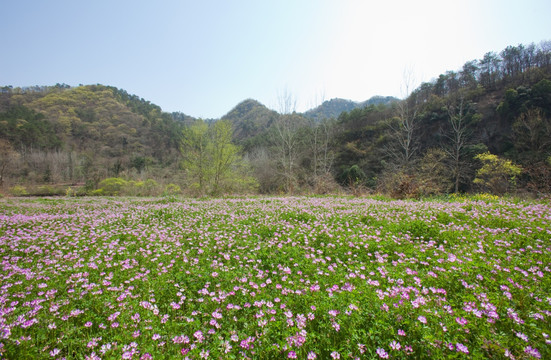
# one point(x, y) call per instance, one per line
point(334, 107)
point(250, 119)
point(93, 131)
point(449, 134)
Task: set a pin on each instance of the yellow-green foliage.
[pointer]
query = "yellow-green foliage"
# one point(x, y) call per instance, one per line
point(477, 197)
point(18, 190)
point(496, 175)
point(111, 186)
point(121, 187)
point(172, 189)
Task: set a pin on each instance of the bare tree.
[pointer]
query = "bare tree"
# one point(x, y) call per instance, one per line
point(7, 158)
point(287, 103)
point(287, 140)
point(532, 130)
point(404, 125)
point(323, 155)
point(287, 144)
point(458, 139)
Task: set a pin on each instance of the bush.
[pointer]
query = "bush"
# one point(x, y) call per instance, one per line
point(398, 184)
point(18, 190)
point(110, 186)
point(172, 189)
point(496, 175)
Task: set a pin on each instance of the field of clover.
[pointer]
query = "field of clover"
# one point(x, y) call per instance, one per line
point(274, 278)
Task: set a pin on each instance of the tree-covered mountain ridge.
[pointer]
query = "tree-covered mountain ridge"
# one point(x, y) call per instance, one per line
point(334, 107)
point(500, 103)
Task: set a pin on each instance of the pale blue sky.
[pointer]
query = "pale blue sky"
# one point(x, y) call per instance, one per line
point(203, 57)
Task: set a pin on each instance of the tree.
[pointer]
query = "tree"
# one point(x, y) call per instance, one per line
point(321, 141)
point(458, 140)
point(532, 131)
point(468, 74)
point(223, 152)
point(287, 140)
point(489, 70)
point(496, 175)
point(7, 158)
point(195, 148)
point(432, 173)
point(212, 161)
point(404, 125)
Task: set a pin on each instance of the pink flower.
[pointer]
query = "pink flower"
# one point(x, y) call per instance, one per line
point(199, 336)
point(532, 352)
point(461, 348)
point(395, 345)
point(461, 321)
point(335, 355)
point(54, 352)
point(382, 353)
point(422, 319)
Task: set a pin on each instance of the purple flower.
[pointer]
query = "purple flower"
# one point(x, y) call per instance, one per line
point(382, 353)
point(54, 352)
point(532, 352)
point(461, 348)
point(198, 335)
point(422, 319)
point(395, 345)
point(461, 321)
point(292, 355)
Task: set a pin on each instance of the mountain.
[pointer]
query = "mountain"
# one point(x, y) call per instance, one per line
point(501, 104)
point(250, 120)
point(64, 134)
point(334, 107)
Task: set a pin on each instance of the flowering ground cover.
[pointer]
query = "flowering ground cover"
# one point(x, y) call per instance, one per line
point(274, 278)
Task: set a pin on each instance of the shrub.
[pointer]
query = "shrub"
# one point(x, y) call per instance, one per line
point(18, 190)
point(496, 175)
point(172, 189)
point(111, 186)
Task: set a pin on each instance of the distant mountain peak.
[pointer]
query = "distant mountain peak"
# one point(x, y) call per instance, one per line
point(334, 107)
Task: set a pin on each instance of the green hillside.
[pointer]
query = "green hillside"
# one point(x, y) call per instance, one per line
point(485, 127)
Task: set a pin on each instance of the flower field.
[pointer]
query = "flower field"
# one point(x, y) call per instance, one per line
point(274, 278)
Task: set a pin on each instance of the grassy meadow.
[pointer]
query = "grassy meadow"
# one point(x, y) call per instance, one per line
point(274, 278)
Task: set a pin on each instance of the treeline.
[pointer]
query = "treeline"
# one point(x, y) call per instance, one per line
point(82, 135)
point(485, 127)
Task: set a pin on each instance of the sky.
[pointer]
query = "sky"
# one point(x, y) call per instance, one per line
point(204, 57)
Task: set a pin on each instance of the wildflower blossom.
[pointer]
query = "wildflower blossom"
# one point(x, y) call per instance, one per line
point(532, 352)
point(461, 348)
point(382, 353)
